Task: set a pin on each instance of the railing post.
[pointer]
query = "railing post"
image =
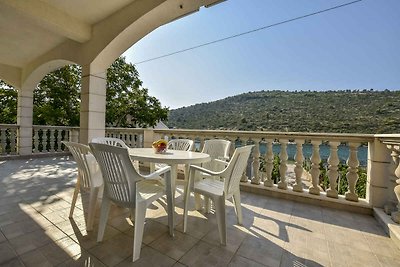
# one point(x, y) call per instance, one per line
point(283, 155)
point(333, 173)
point(315, 159)
point(377, 174)
point(269, 164)
point(148, 137)
point(256, 163)
point(298, 170)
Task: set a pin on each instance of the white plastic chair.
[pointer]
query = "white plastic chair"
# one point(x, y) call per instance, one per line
point(219, 190)
point(218, 149)
point(89, 178)
point(179, 144)
point(110, 141)
point(124, 186)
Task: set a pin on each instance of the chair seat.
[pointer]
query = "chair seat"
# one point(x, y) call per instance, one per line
point(209, 186)
point(148, 190)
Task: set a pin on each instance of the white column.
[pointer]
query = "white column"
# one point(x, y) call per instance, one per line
point(282, 184)
point(315, 159)
point(256, 163)
point(298, 170)
point(396, 157)
point(352, 175)
point(24, 120)
point(269, 164)
point(93, 105)
point(333, 173)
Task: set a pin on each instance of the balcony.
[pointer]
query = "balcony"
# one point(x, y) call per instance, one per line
point(290, 222)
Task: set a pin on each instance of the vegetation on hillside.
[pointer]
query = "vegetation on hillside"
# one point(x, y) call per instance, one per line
point(357, 111)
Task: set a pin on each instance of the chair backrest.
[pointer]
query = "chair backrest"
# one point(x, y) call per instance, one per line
point(235, 169)
point(110, 141)
point(81, 153)
point(180, 144)
point(217, 149)
point(119, 175)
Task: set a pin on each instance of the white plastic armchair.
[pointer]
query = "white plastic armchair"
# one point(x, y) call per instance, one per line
point(179, 144)
point(218, 149)
point(124, 186)
point(89, 178)
point(219, 190)
point(110, 141)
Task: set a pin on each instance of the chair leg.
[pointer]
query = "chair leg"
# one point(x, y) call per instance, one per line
point(238, 207)
point(105, 209)
point(74, 198)
point(219, 203)
point(94, 191)
point(186, 206)
point(198, 201)
point(207, 204)
point(140, 214)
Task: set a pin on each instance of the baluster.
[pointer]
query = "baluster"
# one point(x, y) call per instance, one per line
point(352, 175)
point(315, 159)
point(3, 141)
point(269, 164)
point(36, 140)
point(390, 206)
point(396, 159)
point(201, 143)
point(282, 184)
point(52, 140)
point(333, 173)
point(298, 170)
point(256, 163)
point(13, 144)
point(245, 178)
point(57, 142)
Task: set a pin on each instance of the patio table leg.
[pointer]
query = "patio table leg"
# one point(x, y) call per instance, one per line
point(170, 186)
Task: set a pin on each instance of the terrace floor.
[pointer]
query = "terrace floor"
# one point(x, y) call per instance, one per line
point(35, 197)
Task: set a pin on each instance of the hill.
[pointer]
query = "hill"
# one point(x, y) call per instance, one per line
point(356, 111)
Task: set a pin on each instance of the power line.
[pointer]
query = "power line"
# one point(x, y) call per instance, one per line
point(248, 32)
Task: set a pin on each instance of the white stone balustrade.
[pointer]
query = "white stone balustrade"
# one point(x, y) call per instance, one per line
point(262, 170)
point(8, 141)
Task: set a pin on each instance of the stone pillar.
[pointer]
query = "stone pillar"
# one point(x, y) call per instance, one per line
point(378, 174)
point(93, 105)
point(148, 137)
point(24, 120)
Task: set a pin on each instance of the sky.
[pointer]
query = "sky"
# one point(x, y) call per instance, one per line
point(353, 47)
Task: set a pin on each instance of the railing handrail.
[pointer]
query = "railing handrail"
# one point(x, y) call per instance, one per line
point(4, 125)
point(265, 134)
point(56, 127)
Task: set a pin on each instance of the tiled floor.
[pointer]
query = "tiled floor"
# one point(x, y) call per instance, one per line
point(35, 198)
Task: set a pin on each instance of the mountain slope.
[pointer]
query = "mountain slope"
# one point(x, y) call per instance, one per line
point(348, 111)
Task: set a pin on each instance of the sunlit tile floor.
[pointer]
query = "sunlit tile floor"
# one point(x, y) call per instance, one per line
point(35, 198)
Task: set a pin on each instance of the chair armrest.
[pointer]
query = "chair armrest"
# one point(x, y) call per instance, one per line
point(156, 175)
point(222, 161)
point(201, 169)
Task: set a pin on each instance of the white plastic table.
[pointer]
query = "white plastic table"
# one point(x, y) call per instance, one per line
point(172, 158)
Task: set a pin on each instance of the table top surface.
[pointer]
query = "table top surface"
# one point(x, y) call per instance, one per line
point(169, 157)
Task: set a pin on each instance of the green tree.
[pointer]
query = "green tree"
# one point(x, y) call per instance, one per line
point(8, 103)
point(56, 99)
point(128, 103)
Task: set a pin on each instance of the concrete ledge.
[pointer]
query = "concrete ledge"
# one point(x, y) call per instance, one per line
point(362, 206)
point(390, 227)
point(35, 155)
